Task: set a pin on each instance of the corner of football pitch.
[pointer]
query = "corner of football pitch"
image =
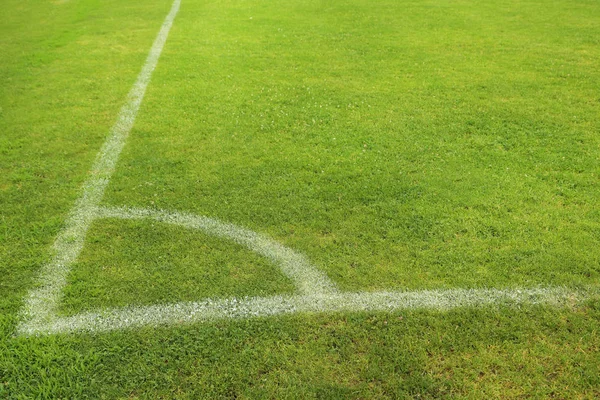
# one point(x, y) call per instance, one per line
point(301, 199)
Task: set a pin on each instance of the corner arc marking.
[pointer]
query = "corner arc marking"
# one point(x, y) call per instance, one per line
point(308, 279)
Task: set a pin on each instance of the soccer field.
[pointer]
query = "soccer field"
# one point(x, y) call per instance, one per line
point(300, 199)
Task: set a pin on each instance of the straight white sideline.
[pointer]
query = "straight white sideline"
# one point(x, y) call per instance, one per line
point(254, 307)
point(316, 292)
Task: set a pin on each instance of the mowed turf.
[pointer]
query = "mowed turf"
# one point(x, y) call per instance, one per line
point(398, 145)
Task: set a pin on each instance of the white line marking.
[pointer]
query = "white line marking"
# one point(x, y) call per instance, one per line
point(308, 279)
point(233, 308)
point(42, 302)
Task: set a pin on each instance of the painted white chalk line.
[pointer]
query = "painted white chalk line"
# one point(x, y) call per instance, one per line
point(41, 304)
point(317, 292)
point(253, 307)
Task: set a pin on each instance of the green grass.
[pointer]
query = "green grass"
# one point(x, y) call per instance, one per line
point(464, 354)
point(397, 144)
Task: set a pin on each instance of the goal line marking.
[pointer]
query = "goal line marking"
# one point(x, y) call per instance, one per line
point(256, 307)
